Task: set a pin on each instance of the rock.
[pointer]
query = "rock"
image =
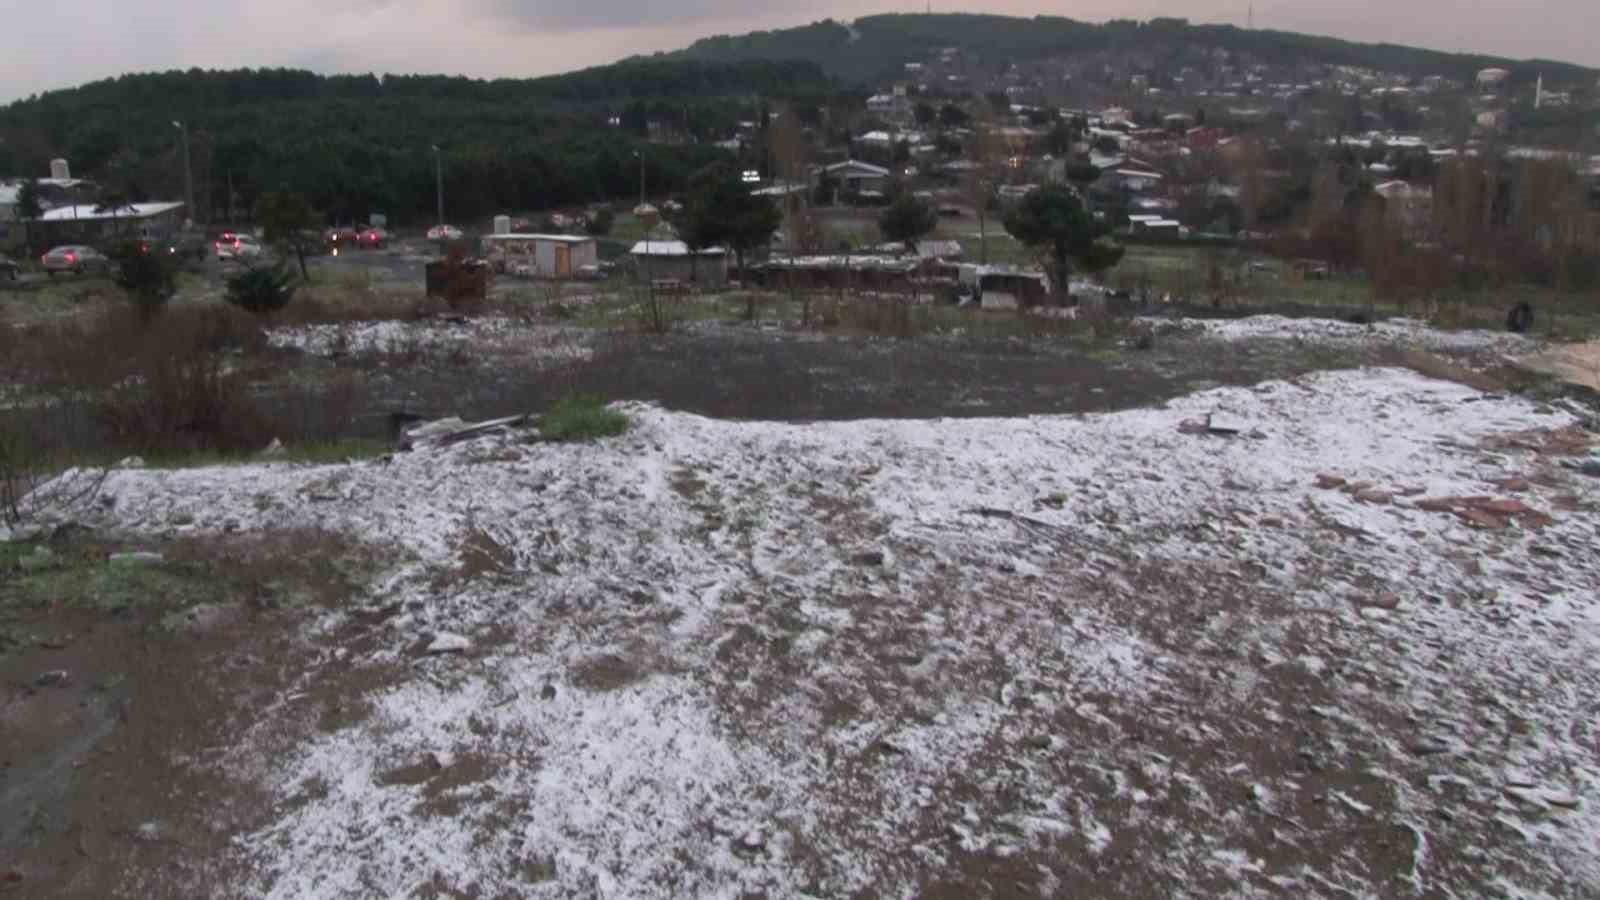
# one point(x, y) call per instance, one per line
point(1514, 485)
point(1482, 519)
point(868, 558)
point(1430, 747)
point(1385, 600)
point(445, 642)
point(1436, 504)
point(439, 760)
point(751, 841)
point(149, 833)
point(53, 678)
point(1525, 795)
point(1222, 423)
point(274, 450)
point(1330, 482)
point(180, 520)
point(1506, 507)
point(1560, 798)
point(136, 560)
point(549, 692)
point(1378, 498)
point(131, 462)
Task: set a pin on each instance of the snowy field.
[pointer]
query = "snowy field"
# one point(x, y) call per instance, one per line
point(539, 343)
point(1349, 651)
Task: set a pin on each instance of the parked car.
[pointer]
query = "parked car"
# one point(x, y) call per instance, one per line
point(75, 258)
point(182, 246)
point(372, 238)
point(233, 247)
point(444, 233)
point(341, 236)
point(8, 268)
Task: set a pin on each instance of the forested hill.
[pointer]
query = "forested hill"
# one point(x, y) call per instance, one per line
point(877, 46)
point(357, 144)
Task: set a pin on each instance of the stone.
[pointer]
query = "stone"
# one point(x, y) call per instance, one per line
point(1436, 504)
point(136, 560)
point(1430, 747)
point(752, 841)
point(1378, 498)
point(549, 692)
point(131, 462)
point(1525, 795)
point(53, 678)
point(1482, 519)
point(1561, 799)
point(445, 642)
point(149, 832)
point(1506, 507)
point(274, 450)
point(1330, 482)
point(1514, 485)
point(868, 558)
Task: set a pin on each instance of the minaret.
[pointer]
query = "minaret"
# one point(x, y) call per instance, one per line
point(1538, 93)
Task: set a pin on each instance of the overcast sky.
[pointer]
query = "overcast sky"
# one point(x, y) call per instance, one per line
point(66, 42)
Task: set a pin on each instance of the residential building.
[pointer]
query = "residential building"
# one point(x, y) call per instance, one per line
point(90, 223)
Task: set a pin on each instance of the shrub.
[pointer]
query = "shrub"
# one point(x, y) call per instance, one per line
point(262, 291)
point(150, 279)
point(599, 224)
point(579, 417)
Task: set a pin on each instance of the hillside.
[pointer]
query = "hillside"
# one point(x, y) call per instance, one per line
point(357, 144)
point(877, 46)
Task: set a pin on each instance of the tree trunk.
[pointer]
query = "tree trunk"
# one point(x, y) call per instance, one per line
point(1062, 272)
point(983, 236)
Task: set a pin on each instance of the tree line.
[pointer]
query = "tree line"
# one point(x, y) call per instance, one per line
point(875, 47)
point(354, 145)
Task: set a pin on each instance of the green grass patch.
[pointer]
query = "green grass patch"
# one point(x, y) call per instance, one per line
point(581, 418)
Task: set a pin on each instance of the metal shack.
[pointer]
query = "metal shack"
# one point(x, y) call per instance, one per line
point(542, 255)
point(998, 288)
point(671, 261)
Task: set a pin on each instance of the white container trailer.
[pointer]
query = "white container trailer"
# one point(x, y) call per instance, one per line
point(542, 255)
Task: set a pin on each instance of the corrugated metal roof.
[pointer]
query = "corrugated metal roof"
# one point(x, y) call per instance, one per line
point(670, 248)
point(86, 212)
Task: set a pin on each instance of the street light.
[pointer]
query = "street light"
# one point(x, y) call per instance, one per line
point(188, 170)
point(438, 175)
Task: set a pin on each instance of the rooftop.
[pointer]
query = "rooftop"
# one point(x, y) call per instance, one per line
point(84, 212)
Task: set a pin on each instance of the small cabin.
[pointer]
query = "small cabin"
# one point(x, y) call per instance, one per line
point(541, 255)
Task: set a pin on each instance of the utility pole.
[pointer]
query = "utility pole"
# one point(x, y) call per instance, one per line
point(188, 171)
point(639, 155)
point(438, 177)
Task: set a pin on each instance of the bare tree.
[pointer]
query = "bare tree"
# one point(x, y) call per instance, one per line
point(980, 181)
point(791, 159)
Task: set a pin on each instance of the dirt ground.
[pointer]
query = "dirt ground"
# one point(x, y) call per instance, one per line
point(120, 684)
point(118, 681)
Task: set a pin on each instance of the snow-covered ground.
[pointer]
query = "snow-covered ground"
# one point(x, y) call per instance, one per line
point(478, 336)
point(1405, 332)
point(1054, 656)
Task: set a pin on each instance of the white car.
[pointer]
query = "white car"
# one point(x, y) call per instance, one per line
point(75, 258)
point(444, 233)
point(238, 247)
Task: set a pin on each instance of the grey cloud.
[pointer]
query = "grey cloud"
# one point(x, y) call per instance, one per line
point(583, 15)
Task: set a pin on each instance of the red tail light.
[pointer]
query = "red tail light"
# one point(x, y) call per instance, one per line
point(72, 257)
